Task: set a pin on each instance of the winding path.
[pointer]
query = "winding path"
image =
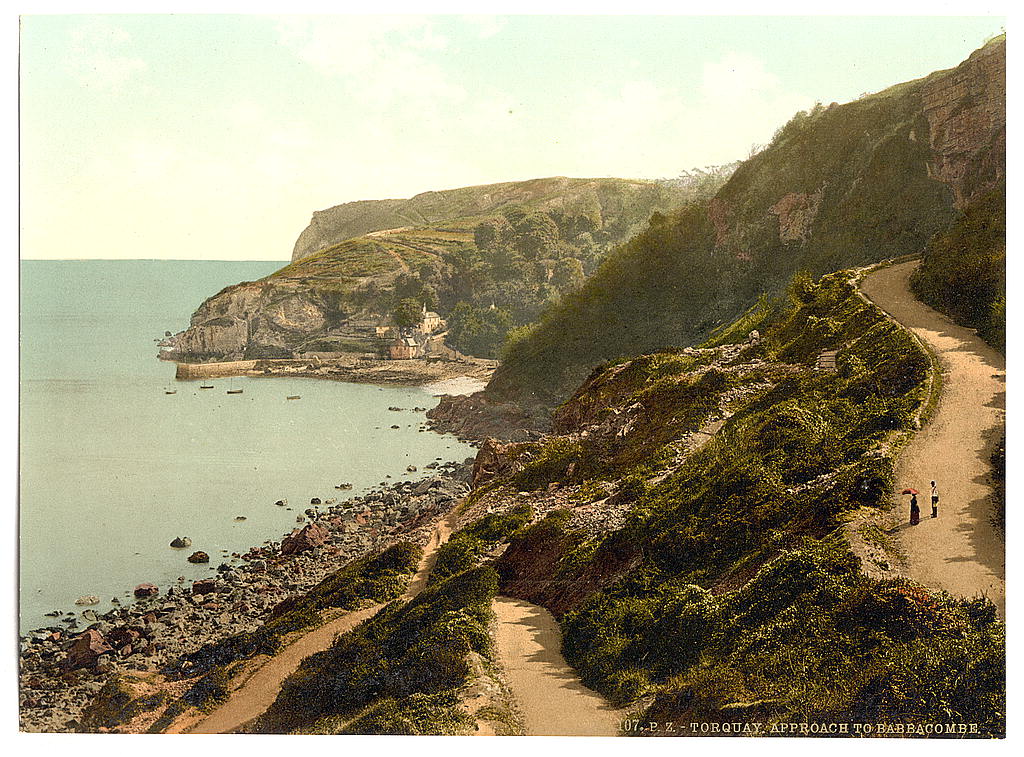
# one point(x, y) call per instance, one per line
point(550, 695)
point(960, 551)
point(548, 692)
point(256, 693)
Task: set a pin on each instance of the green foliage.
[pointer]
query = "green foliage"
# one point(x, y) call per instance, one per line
point(413, 654)
point(477, 330)
point(377, 577)
point(998, 462)
point(416, 715)
point(210, 690)
point(465, 547)
point(551, 463)
point(857, 173)
point(805, 635)
point(964, 269)
point(407, 313)
point(115, 703)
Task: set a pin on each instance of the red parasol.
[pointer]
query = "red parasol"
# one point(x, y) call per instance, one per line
point(910, 491)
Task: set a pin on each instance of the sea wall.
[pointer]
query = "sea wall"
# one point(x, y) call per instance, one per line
point(214, 370)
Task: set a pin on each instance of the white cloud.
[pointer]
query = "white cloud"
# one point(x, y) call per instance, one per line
point(98, 55)
point(377, 60)
point(485, 26)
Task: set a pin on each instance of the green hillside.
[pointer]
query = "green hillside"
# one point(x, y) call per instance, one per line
point(838, 186)
point(488, 259)
point(964, 269)
point(728, 578)
point(614, 204)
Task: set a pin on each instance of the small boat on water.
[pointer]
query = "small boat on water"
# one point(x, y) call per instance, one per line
point(295, 397)
point(234, 391)
point(206, 386)
point(168, 391)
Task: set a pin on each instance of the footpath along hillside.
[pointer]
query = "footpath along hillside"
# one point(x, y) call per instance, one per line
point(549, 695)
point(959, 551)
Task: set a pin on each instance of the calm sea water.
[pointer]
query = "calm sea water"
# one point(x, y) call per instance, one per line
point(112, 468)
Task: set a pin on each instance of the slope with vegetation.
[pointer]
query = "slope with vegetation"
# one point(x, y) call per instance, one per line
point(401, 672)
point(838, 186)
point(487, 258)
point(964, 269)
point(730, 592)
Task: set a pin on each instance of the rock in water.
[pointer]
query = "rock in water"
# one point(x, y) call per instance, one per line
point(146, 590)
point(89, 599)
point(180, 542)
point(198, 557)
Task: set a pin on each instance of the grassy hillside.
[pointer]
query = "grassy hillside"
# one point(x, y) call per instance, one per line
point(964, 270)
point(491, 259)
point(608, 201)
point(399, 672)
point(838, 186)
point(730, 591)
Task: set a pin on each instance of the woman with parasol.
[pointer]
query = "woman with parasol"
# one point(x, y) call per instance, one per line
point(915, 511)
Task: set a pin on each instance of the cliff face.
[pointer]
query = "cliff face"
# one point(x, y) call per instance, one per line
point(252, 320)
point(839, 186)
point(966, 112)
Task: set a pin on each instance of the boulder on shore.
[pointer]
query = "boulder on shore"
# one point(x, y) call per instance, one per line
point(199, 557)
point(304, 540)
point(204, 586)
point(146, 590)
point(86, 650)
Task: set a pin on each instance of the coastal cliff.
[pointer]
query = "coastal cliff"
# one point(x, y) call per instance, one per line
point(840, 185)
point(493, 255)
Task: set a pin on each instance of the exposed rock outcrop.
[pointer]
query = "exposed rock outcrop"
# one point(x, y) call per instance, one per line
point(796, 212)
point(495, 460)
point(966, 111)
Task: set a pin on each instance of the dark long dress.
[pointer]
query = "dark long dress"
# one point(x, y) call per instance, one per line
point(915, 512)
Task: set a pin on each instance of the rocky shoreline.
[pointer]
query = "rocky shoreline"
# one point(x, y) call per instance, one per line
point(473, 417)
point(63, 666)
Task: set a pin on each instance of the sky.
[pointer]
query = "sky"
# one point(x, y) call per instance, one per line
point(217, 136)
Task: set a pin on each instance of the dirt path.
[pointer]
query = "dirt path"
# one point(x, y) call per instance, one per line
point(959, 551)
point(549, 693)
point(259, 691)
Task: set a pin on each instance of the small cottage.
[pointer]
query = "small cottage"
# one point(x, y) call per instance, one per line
point(405, 348)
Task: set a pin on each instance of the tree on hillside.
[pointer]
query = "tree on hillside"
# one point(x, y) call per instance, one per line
point(407, 313)
point(536, 236)
point(478, 331)
point(490, 232)
point(568, 274)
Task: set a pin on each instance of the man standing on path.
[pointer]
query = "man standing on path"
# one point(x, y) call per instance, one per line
point(935, 500)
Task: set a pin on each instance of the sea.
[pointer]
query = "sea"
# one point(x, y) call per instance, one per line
point(112, 467)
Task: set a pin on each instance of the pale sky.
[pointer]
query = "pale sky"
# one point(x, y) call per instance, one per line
point(216, 137)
